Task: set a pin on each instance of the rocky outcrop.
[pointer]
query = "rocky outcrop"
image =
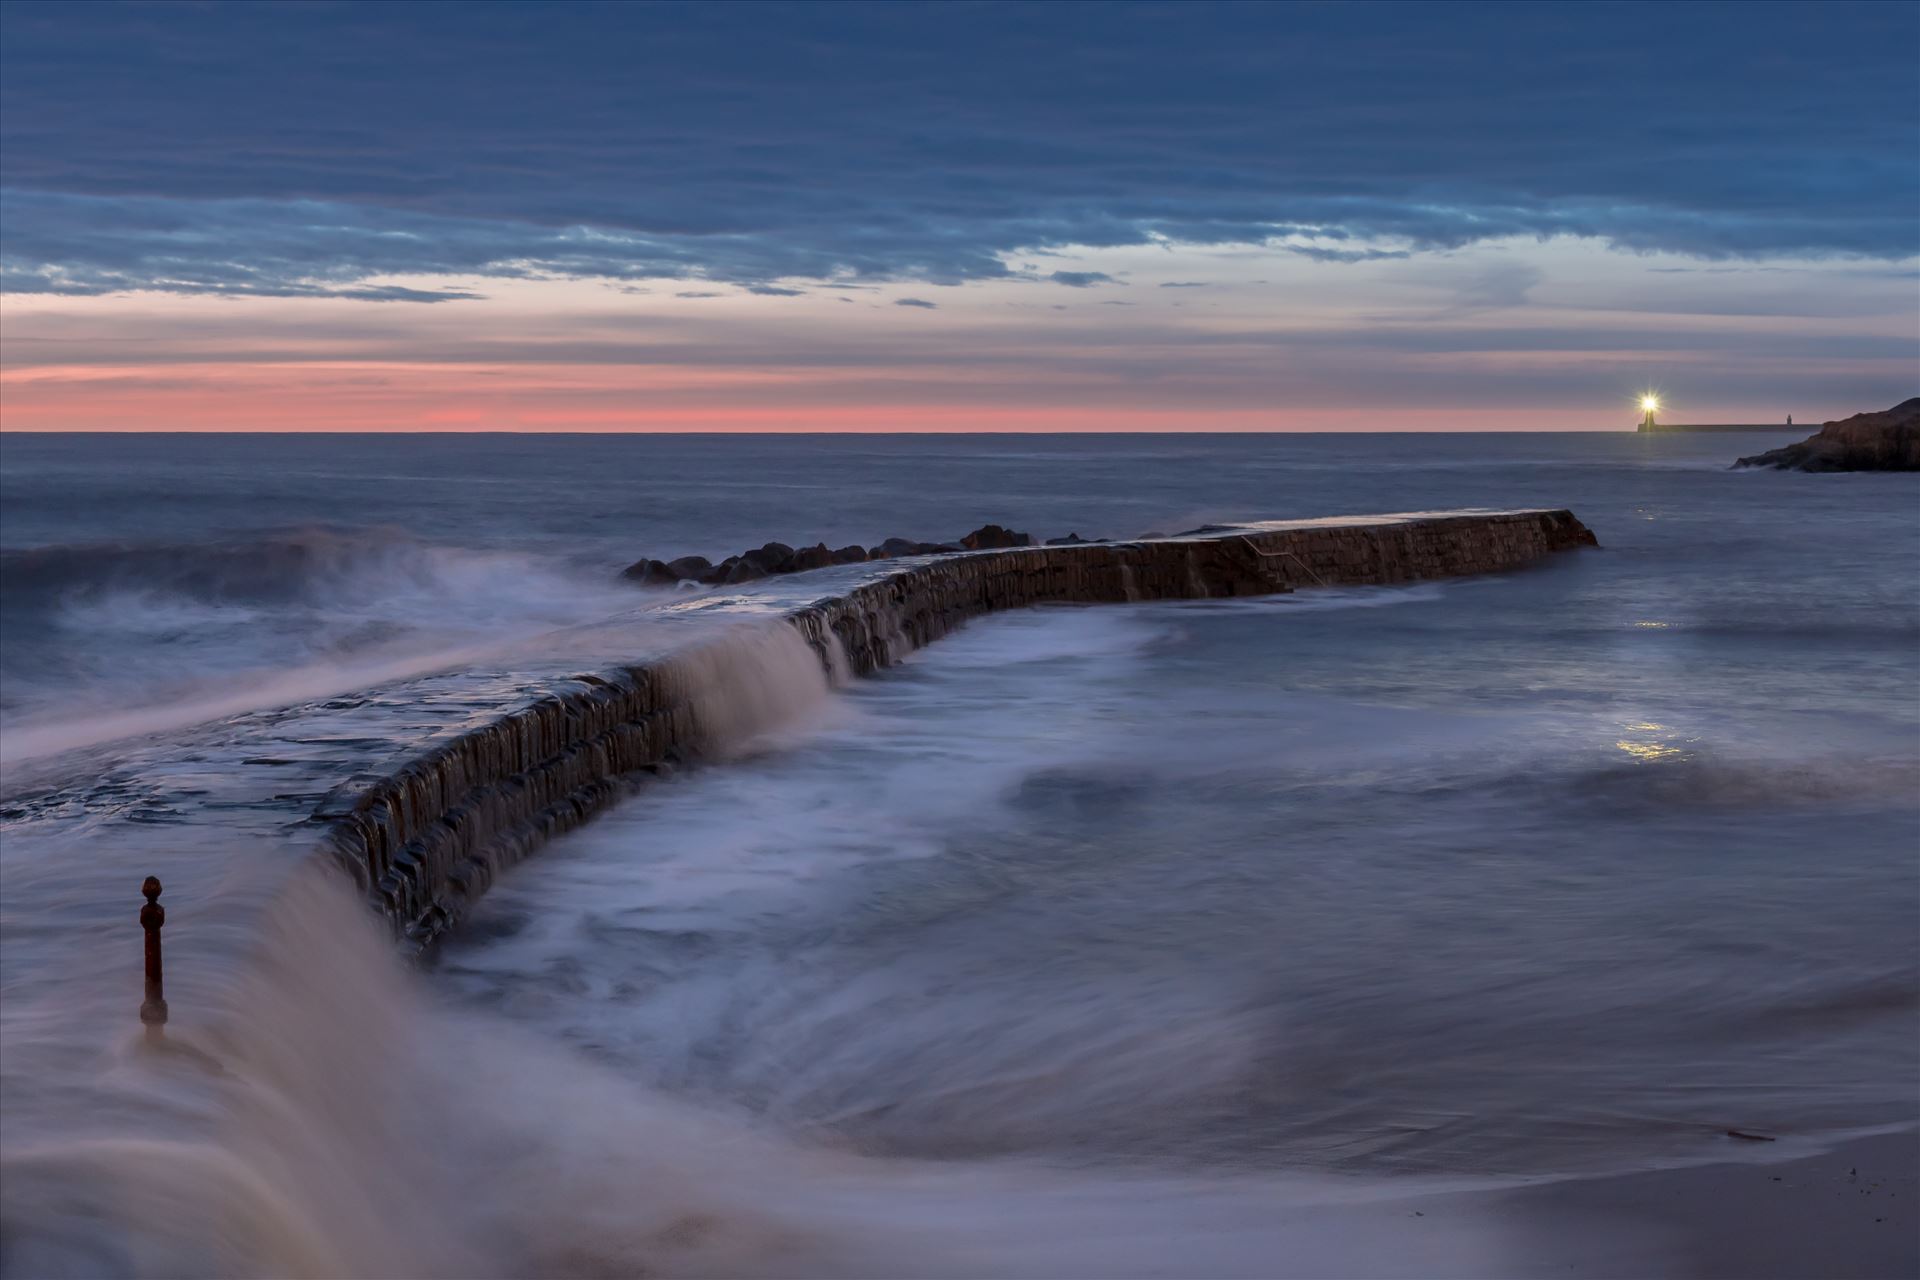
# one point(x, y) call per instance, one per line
point(761, 562)
point(426, 837)
point(650, 573)
point(691, 567)
point(894, 548)
point(815, 557)
point(991, 537)
point(1885, 441)
point(778, 557)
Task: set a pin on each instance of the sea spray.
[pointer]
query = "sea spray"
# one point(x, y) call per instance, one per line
point(748, 679)
point(326, 1117)
point(106, 642)
point(328, 1120)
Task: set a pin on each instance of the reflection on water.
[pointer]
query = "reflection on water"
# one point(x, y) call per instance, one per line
point(1660, 747)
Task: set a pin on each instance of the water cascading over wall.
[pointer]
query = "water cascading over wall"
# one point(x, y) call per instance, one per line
point(425, 840)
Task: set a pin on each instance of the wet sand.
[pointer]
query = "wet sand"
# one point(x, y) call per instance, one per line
point(1852, 1213)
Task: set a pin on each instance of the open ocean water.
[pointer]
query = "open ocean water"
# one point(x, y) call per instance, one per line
point(1168, 938)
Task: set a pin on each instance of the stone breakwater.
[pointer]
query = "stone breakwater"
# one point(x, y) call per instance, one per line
point(426, 838)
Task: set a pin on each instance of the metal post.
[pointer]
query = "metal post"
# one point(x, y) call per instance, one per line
point(153, 1011)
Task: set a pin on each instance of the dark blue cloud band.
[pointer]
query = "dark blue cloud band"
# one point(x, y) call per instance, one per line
point(296, 150)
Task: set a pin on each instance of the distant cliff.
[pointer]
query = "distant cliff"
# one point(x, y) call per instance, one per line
point(1885, 441)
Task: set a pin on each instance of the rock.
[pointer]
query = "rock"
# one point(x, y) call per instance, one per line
point(1150, 535)
point(1886, 441)
point(814, 557)
point(691, 566)
point(744, 569)
point(774, 557)
point(993, 537)
point(778, 557)
point(650, 573)
point(1071, 540)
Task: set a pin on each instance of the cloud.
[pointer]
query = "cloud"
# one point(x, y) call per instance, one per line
point(1184, 284)
point(1081, 279)
point(309, 150)
point(1078, 351)
point(915, 302)
point(699, 293)
point(224, 279)
point(1487, 286)
point(1346, 255)
point(774, 291)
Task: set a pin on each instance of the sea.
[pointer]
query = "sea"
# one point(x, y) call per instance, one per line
point(1157, 939)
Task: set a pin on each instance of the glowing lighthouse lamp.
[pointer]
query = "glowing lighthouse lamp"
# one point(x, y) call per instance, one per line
point(1649, 404)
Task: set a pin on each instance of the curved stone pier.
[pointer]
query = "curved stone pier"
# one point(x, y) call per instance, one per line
point(426, 838)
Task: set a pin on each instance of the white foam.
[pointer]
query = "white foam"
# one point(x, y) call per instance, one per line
point(331, 1120)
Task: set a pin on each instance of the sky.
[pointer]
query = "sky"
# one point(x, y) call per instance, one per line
point(1058, 217)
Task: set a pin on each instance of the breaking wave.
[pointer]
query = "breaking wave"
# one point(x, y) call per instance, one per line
point(315, 1110)
point(107, 641)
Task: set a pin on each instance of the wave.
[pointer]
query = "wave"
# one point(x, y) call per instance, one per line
point(322, 1114)
point(1520, 761)
point(326, 1117)
point(263, 568)
point(1325, 599)
point(104, 641)
point(953, 934)
point(1676, 779)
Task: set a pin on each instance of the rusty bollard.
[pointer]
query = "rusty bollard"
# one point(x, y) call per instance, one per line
point(153, 1011)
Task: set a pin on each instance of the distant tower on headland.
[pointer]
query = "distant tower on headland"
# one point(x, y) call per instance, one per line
point(1649, 405)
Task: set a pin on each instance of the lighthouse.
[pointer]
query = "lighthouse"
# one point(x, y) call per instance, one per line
point(1649, 404)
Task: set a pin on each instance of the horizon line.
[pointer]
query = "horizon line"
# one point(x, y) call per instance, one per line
point(1662, 429)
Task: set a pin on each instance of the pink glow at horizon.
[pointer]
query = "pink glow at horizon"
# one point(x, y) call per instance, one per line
point(436, 403)
point(1514, 337)
point(352, 398)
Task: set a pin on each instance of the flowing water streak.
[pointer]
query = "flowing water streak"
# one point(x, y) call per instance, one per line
point(310, 1113)
point(313, 1112)
point(1114, 885)
point(754, 678)
point(330, 1121)
point(107, 642)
